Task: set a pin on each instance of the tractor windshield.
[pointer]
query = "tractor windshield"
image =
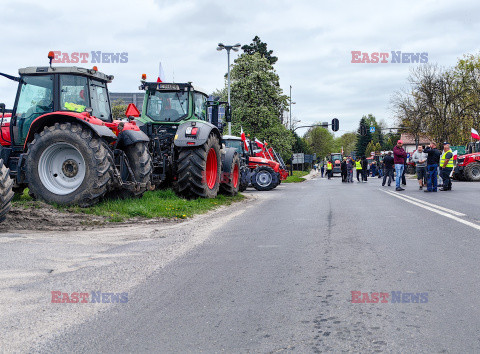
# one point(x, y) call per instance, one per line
point(35, 98)
point(236, 144)
point(99, 100)
point(73, 93)
point(167, 106)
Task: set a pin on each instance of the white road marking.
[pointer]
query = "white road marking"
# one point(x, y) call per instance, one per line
point(440, 212)
point(432, 205)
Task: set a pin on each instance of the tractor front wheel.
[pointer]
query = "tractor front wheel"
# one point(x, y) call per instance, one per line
point(199, 168)
point(231, 188)
point(66, 164)
point(6, 192)
point(264, 178)
point(140, 162)
point(244, 178)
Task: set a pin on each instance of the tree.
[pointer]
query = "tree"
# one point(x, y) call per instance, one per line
point(347, 142)
point(370, 148)
point(362, 141)
point(301, 144)
point(258, 102)
point(257, 46)
point(119, 108)
point(320, 141)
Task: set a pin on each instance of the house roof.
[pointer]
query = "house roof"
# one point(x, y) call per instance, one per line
point(409, 139)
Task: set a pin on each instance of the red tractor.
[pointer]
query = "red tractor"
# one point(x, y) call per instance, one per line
point(468, 165)
point(61, 142)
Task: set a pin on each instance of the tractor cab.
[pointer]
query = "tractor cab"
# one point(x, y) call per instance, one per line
point(472, 148)
point(55, 91)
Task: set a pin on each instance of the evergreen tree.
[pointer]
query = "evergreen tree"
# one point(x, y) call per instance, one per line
point(362, 141)
point(257, 46)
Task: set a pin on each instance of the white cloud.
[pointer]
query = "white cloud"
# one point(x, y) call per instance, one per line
point(313, 41)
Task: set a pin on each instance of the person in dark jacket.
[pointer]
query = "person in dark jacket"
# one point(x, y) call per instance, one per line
point(388, 164)
point(399, 157)
point(433, 160)
point(343, 167)
point(364, 168)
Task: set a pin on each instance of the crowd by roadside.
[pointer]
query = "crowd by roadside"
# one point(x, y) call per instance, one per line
point(433, 168)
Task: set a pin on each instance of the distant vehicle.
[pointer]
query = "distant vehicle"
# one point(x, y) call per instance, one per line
point(336, 159)
point(468, 165)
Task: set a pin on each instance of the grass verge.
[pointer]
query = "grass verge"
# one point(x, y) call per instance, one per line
point(296, 177)
point(156, 204)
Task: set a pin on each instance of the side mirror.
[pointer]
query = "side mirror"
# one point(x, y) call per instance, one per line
point(228, 113)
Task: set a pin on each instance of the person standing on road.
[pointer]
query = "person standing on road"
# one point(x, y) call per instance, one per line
point(388, 164)
point(358, 168)
point(343, 167)
point(446, 166)
point(433, 159)
point(364, 168)
point(399, 156)
point(322, 168)
point(350, 170)
point(373, 168)
point(420, 159)
point(329, 169)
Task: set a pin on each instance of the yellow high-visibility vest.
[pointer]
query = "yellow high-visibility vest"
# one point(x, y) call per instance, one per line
point(449, 163)
point(329, 166)
point(74, 107)
point(358, 165)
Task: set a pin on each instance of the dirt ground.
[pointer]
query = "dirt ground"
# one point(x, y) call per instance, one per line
point(43, 217)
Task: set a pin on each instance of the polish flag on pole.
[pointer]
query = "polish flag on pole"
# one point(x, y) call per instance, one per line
point(475, 134)
point(161, 74)
point(455, 155)
point(244, 138)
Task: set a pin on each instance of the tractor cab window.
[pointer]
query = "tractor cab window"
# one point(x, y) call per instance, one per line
point(99, 100)
point(73, 93)
point(35, 98)
point(200, 109)
point(167, 106)
point(236, 144)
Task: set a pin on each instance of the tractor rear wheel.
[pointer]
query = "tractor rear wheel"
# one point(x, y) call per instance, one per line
point(140, 162)
point(6, 192)
point(66, 164)
point(232, 187)
point(472, 172)
point(264, 178)
point(199, 168)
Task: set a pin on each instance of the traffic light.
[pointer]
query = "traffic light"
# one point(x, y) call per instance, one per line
point(335, 124)
point(363, 130)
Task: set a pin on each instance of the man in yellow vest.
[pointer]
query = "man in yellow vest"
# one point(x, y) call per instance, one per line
point(329, 169)
point(358, 168)
point(446, 167)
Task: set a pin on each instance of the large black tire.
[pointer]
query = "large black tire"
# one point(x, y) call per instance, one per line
point(244, 178)
point(264, 178)
point(68, 153)
point(232, 187)
point(6, 192)
point(140, 162)
point(472, 172)
point(194, 178)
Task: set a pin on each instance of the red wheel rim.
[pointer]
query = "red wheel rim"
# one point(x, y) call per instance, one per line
point(235, 176)
point(212, 168)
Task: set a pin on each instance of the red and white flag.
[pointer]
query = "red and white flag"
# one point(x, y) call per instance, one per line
point(455, 155)
point(244, 138)
point(475, 134)
point(161, 74)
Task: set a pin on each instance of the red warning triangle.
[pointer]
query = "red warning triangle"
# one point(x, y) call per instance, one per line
point(132, 111)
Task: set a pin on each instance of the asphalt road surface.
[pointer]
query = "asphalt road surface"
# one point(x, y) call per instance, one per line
point(280, 277)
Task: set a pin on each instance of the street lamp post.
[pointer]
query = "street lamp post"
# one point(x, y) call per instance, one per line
point(291, 125)
point(235, 48)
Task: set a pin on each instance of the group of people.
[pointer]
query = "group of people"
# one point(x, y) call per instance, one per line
point(430, 162)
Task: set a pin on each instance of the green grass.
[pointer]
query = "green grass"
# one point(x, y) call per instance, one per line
point(156, 204)
point(296, 177)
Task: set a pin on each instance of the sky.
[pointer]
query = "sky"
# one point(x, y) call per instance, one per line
point(313, 41)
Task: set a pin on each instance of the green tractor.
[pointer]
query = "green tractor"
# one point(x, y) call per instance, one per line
point(185, 132)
